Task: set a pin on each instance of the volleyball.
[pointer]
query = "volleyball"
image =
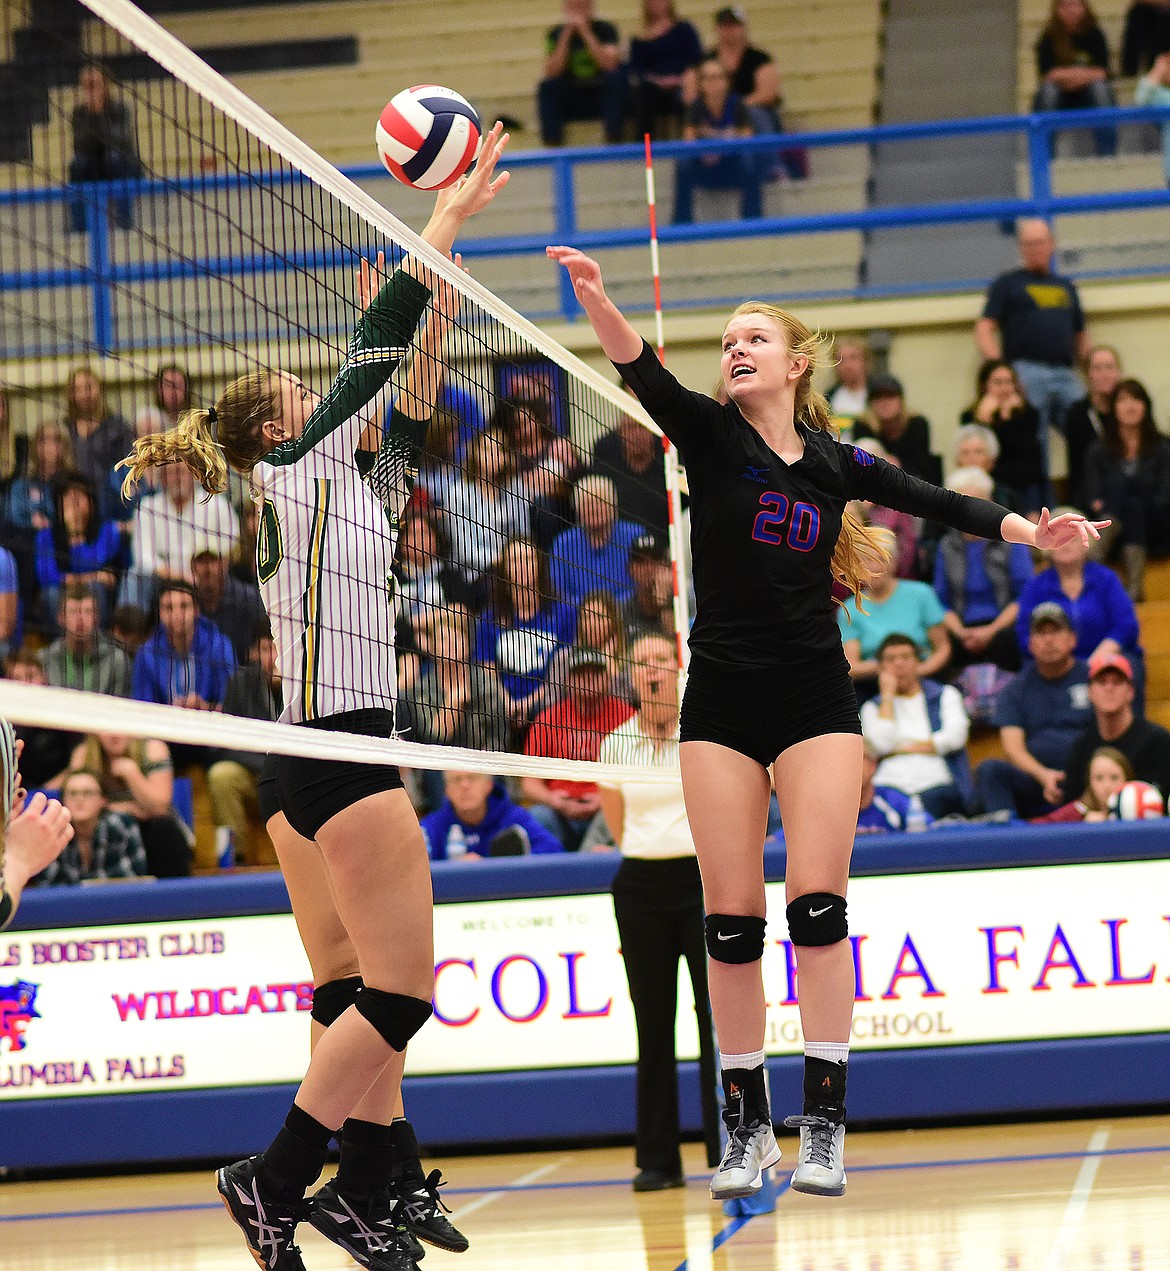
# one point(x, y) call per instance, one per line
point(1136, 801)
point(428, 136)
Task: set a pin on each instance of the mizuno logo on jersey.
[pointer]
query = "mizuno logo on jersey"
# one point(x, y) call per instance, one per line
point(755, 474)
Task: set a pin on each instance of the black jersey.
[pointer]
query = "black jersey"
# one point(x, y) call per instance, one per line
point(763, 531)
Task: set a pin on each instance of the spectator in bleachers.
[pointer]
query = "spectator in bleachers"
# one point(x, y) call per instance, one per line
point(755, 77)
point(650, 610)
point(46, 750)
point(1147, 36)
point(10, 607)
point(129, 627)
point(100, 437)
point(439, 465)
point(138, 778)
point(253, 692)
point(583, 75)
point(883, 809)
point(979, 583)
point(187, 661)
point(478, 820)
point(595, 553)
point(1153, 89)
point(480, 513)
point(662, 52)
point(1039, 715)
point(905, 436)
point(29, 503)
point(1109, 770)
point(523, 626)
point(716, 113)
point(1072, 61)
point(1112, 694)
point(542, 464)
point(632, 457)
point(1033, 319)
point(105, 147)
point(84, 657)
point(1127, 479)
point(848, 397)
point(172, 396)
point(599, 630)
point(233, 606)
point(242, 559)
point(901, 606)
point(573, 728)
point(456, 701)
point(105, 844)
point(1000, 405)
point(427, 580)
point(1101, 613)
point(901, 525)
point(976, 446)
point(918, 729)
point(1084, 421)
point(168, 527)
point(80, 547)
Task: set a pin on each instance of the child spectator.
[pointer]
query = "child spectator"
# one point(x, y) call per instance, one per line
point(83, 657)
point(583, 75)
point(477, 820)
point(79, 547)
point(105, 844)
point(1001, 406)
point(1109, 770)
point(660, 55)
point(100, 436)
point(187, 661)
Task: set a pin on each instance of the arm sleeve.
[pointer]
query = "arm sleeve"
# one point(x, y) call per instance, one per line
point(687, 418)
point(379, 343)
point(868, 477)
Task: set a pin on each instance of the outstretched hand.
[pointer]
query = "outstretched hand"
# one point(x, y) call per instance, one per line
point(1054, 531)
point(370, 279)
point(584, 271)
point(472, 193)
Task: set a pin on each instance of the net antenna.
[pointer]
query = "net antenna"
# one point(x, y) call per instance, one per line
point(233, 245)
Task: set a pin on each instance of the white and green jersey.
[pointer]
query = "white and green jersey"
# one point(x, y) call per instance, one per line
point(328, 526)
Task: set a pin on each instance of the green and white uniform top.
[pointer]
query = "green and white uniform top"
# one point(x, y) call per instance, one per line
point(328, 526)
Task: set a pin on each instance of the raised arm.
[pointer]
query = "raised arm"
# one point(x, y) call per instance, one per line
point(619, 341)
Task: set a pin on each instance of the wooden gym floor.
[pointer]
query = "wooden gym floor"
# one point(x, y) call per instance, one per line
point(1067, 1196)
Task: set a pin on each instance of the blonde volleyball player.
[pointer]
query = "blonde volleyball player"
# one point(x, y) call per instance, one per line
point(324, 547)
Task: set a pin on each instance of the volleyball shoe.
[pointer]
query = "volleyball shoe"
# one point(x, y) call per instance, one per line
point(820, 1163)
point(268, 1224)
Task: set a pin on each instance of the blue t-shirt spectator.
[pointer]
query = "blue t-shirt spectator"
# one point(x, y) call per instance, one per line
point(82, 558)
point(10, 612)
point(521, 649)
point(162, 674)
point(449, 837)
point(579, 568)
point(891, 810)
point(911, 609)
point(1102, 611)
point(979, 603)
point(1052, 713)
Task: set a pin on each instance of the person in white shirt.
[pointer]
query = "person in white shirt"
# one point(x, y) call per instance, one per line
point(919, 729)
point(168, 528)
point(658, 903)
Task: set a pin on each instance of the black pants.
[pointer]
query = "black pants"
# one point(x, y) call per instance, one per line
point(659, 911)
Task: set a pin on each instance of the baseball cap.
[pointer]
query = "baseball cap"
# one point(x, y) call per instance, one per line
point(730, 13)
point(886, 385)
point(647, 547)
point(1110, 662)
point(580, 659)
point(1051, 613)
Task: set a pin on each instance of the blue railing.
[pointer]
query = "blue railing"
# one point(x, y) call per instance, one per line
point(102, 275)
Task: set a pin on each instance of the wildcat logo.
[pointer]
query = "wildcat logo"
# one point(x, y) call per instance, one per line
point(17, 1008)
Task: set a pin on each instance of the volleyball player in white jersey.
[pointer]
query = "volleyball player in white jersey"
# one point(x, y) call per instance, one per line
point(321, 465)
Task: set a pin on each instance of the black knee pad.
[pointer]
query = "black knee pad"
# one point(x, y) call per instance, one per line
point(395, 1016)
point(817, 919)
point(334, 997)
point(735, 938)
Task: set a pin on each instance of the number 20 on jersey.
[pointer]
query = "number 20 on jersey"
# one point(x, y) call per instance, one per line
point(774, 525)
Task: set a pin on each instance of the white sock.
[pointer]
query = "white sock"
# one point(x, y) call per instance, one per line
point(753, 1059)
point(834, 1052)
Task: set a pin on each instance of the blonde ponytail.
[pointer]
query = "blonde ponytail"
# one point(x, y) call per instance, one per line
point(862, 550)
point(207, 443)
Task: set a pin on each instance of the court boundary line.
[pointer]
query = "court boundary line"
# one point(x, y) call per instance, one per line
point(949, 1163)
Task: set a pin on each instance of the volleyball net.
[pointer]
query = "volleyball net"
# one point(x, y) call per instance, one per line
point(162, 237)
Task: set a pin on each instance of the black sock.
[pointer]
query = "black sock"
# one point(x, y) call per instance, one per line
point(407, 1165)
point(367, 1158)
point(295, 1157)
point(745, 1097)
point(824, 1089)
